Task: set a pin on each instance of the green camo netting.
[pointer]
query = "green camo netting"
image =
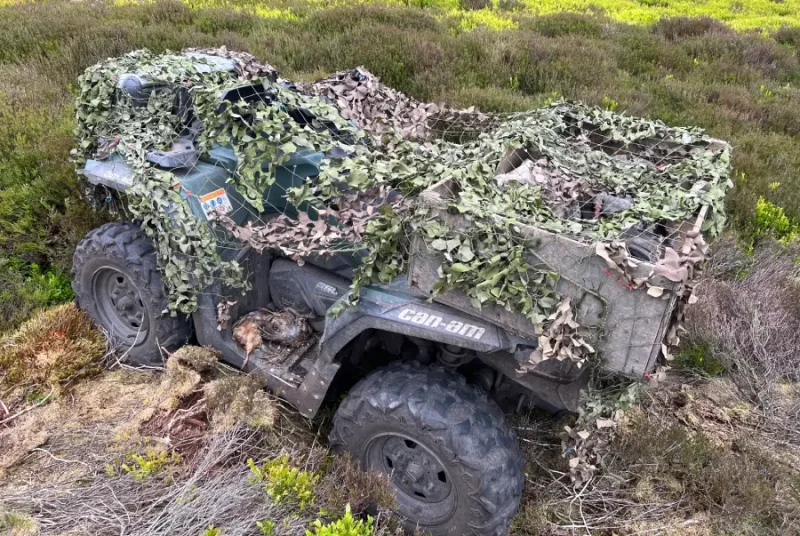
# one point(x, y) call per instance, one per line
point(577, 153)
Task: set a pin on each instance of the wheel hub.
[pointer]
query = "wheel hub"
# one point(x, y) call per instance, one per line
point(415, 470)
point(119, 304)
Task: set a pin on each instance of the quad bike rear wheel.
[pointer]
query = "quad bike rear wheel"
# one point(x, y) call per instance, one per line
point(454, 463)
point(115, 279)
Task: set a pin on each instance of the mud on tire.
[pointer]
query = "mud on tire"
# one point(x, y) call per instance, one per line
point(115, 279)
point(455, 463)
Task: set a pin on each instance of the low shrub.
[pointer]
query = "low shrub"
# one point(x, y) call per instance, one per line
point(511, 5)
point(51, 349)
point(152, 462)
point(681, 27)
point(212, 530)
point(788, 35)
point(770, 220)
point(748, 319)
point(346, 526)
point(698, 359)
point(469, 5)
point(266, 526)
point(25, 288)
point(565, 24)
point(215, 21)
point(285, 483)
point(172, 12)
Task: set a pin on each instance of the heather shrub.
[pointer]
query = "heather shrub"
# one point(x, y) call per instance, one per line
point(747, 318)
point(675, 28)
point(50, 350)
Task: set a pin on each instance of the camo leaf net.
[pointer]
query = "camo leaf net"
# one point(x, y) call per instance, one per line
point(590, 174)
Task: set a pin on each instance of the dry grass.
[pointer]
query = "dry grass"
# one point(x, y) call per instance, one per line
point(689, 460)
point(61, 462)
point(14, 524)
point(344, 483)
point(748, 318)
point(214, 490)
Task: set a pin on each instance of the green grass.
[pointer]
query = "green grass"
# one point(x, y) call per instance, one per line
point(743, 87)
point(763, 15)
point(25, 287)
point(698, 359)
point(742, 15)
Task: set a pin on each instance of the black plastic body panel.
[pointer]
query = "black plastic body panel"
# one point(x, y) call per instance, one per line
point(393, 308)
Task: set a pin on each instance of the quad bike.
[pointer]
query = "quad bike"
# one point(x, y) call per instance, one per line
point(426, 378)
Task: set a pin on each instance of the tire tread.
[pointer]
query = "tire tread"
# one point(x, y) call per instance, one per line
point(125, 242)
point(476, 435)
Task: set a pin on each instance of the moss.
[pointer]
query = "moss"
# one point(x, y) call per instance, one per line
point(197, 358)
point(239, 400)
point(699, 358)
point(51, 349)
point(185, 371)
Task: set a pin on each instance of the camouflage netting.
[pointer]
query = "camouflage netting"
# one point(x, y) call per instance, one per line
point(587, 173)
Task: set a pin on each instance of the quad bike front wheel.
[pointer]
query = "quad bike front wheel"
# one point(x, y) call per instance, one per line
point(115, 279)
point(454, 463)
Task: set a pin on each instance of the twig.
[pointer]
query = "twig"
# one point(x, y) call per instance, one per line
point(26, 410)
point(37, 449)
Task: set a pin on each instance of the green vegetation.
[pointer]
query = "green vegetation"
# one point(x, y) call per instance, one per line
point(770, 220)
point(25, 287)
point(346, 526)
point(743, 15)
point(14, 524)
point(737, 488)
point(266, 526)
point(740, 86)
point(743, 87)
point(285, 483)
point(152, 462)
point(698, 358)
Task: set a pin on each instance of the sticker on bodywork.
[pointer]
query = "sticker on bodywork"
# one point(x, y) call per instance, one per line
point(215, 202)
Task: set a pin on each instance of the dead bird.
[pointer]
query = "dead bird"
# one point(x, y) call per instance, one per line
point(285, 327)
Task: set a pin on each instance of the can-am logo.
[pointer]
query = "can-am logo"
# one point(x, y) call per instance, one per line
point(433, 321)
